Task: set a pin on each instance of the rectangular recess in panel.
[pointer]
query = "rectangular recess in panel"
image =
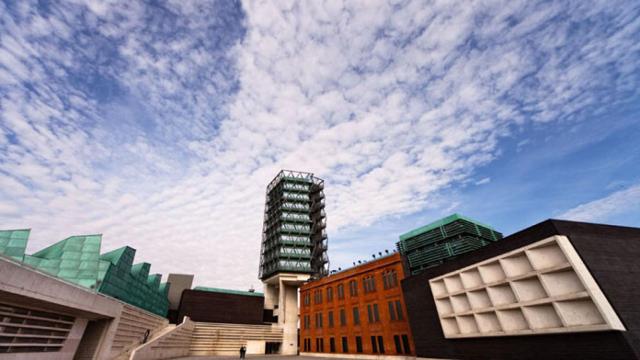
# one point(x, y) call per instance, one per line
point(437, 288)
point(467, 324)
point(512, 320)
point(479, 299)
point(579, 312)
point(560, 283)
point(453, 283)
point(460, 303)
point(488, 322)
point(471, 278)
point(528, 289)
point(516, 265)
point(542, 317)
point(491, 272)
point(501, 295)
point(444, 306)
point(546, 256)
point(449, 326)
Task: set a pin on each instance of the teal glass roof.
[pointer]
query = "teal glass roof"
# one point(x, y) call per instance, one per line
point(439, 223)
point(228, 291)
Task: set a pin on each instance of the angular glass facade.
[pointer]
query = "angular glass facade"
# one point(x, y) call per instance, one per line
point(77, 260)
point(294, 237)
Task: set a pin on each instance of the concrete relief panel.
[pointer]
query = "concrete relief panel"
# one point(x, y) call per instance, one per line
point(537, 289)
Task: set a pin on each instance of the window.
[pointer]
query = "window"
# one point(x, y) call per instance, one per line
point(392, 310)
point(332, 345)
point(356, 316)
point(396, 341)
point(376, 314)
point(306, 298)
point(390, 279)
point(307, 321)
point(330, 316)
point(345, 345)
point(318, 320)
point(343, 318)
point(329, 294)
point(405, 344)
point(320, 345)
point(340, 291)
point(380, 345)
point(359, 344)
point(374, 345)
point(369, 284)
point(353, 288)
point(317, 297)
point(399, 310)
point(369, 313)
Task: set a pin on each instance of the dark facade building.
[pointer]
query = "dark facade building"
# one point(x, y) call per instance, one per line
point(222, 306)
point(357, 311)
point(556, 290)
point(442, 240)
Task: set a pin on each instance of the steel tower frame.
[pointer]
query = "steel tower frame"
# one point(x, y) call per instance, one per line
point(294, 238)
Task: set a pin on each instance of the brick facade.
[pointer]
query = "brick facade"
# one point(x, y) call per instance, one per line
point(357, 311)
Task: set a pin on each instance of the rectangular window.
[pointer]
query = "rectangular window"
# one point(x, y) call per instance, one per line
point(376, 314)
point(306, 321)
point(369, 284)
point(340, 291)
point(399, 310)
point(317, 297)
point(343, 318)
point(356, 316)
point(392, 311)
point(307, 298)
point(353, 288)
point(317, 344)
point(396, 341)
point(374, 345)
point(405, 344)
point(332, 345)
point(329, 294)
point(321, 345)
point(359, 344)
point(330, 315)
point(380, 344)
point(369, 313)
point(390, 279)
point(345, 345)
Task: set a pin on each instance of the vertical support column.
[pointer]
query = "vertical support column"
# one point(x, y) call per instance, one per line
point(289, 318)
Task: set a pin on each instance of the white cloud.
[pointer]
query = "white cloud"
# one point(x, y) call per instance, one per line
point(604, 209)
point(160, 127)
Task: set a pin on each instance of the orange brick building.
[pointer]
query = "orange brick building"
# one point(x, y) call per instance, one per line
point(357, 311)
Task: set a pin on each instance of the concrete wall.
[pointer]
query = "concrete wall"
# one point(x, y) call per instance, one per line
point(179, 283)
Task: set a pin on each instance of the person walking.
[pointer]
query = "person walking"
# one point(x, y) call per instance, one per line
point(243, 350)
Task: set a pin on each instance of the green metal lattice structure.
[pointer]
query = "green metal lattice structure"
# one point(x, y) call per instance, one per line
point(77, 259)
point(294, 238)
point(439, 241)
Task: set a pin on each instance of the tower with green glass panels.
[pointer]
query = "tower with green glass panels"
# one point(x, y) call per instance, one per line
point(294, 238)
point(439, 241)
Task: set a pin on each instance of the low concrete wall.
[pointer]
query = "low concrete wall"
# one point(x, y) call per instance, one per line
point(172, 344)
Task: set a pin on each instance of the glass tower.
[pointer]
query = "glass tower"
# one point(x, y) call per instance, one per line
point(294, 238)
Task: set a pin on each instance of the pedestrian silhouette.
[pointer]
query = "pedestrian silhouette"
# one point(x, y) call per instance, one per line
point(243, 350)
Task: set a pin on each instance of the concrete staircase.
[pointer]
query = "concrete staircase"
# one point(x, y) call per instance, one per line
point(226, 339)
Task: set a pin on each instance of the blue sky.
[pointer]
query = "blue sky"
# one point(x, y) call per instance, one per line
point(159, 124)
